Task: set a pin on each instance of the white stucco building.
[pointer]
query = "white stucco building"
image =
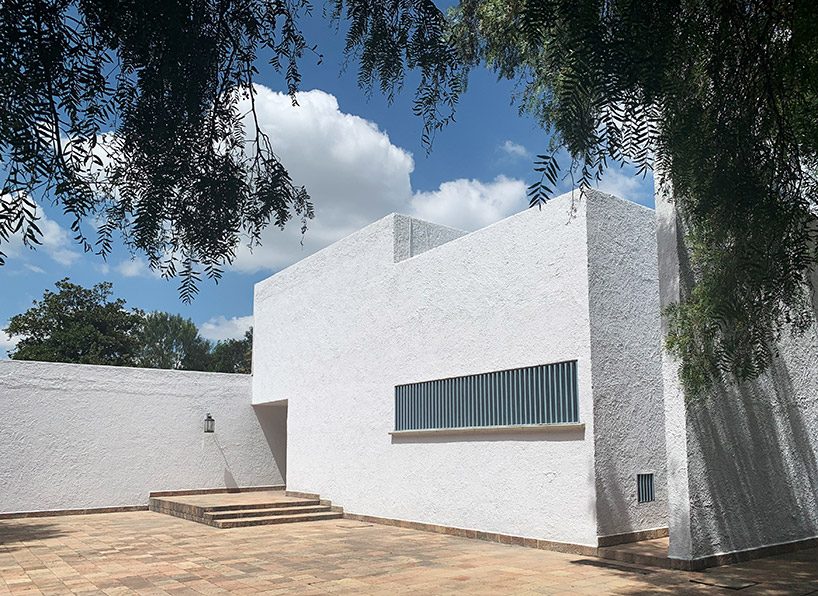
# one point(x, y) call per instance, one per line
point(405, 304)
point(507, 384)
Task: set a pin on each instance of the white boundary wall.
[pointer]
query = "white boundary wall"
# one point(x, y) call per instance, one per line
point(337, 331)
point(742, 461)
point(77, 436)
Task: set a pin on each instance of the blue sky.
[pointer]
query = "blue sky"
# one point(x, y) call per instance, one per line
point(359, 157)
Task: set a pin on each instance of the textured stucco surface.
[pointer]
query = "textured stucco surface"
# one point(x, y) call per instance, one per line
point(749, 472)
point(77, 436)
point(670, 250)
point(414, 236)
point(752, 454)
point(626, 363)
point(337, 331)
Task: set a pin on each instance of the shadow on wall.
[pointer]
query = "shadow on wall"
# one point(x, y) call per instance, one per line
point(612, 504)
point(617, 508)
point(752, 449)
point(229, 479)
point(273, 422)
point(752, 462)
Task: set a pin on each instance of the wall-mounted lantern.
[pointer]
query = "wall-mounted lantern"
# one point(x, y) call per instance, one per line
point(209, 423)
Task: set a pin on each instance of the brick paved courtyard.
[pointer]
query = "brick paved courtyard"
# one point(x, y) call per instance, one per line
point(151, 553)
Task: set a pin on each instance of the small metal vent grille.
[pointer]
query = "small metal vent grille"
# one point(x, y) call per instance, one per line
point(644, 488)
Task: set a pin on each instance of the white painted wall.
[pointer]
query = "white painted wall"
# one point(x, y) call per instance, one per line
point(337, 331)
point(414, 236)
point(671, 252)
point(77, 436)
point(626, 363)
point(742, 460)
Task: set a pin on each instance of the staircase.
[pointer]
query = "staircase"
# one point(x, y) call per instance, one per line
point(246, 508)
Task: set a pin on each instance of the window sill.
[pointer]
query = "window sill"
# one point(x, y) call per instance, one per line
point(480, 430)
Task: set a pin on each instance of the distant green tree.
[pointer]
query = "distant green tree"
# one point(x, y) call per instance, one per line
point(77, 324)
point(233, 355)
point(171, 341)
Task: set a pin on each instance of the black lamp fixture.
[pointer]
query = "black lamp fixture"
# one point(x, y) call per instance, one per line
point(209, 423)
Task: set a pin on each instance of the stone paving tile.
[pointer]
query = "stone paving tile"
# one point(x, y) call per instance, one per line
point(150, 553)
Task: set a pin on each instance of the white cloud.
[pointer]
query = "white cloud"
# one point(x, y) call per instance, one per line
point(56, 243)
point(134, 267)
point(515, 149)
point(7, 342)
point(352, 171)
point(131, 268)
point(628, 186)
point(33, 268)
point(220, 328)
point(355, 175)
point(471, 204)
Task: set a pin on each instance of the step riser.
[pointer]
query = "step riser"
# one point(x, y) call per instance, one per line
point(256, 513)
point(185, 510)
point(179, 514)
point(300, 503)
point(240, 523)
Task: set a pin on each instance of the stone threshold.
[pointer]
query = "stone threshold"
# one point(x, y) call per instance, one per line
point(745, 555)
point(213, 491)
point(627, 537)
point(61, 512)
point(473, 430)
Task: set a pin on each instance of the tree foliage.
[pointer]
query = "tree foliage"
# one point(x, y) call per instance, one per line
point(129, 113)
point(233, 355)
point(85, 326)
point(390, 37)
point(171, 341)
point(79, 325)
point(719, 98)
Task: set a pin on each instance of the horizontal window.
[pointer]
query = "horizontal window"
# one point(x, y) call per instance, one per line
point(545, 394)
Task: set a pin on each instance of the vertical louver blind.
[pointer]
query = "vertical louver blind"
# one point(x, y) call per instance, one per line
point(644, 488)
point(545, 394)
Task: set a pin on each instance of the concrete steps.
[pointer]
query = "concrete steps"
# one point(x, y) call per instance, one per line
point(275, 505)
point(275, 519)
point(273, 511)
point(232, 509)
